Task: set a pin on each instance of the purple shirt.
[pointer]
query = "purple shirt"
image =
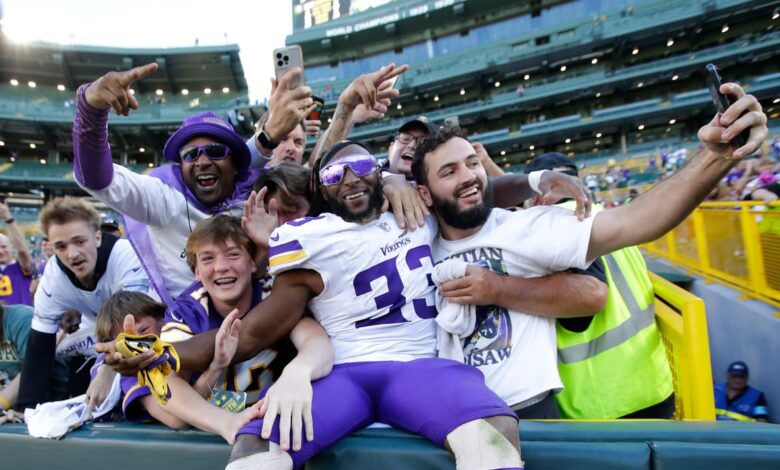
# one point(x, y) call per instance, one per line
point(15, 285)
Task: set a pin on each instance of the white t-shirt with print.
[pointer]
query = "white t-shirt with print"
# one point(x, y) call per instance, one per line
point(516, 351)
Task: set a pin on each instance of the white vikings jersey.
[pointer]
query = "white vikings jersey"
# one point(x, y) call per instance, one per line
point(377, 303)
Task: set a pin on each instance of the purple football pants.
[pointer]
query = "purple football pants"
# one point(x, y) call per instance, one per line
point(429, 397)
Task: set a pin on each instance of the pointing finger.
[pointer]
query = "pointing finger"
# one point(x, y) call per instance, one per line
point(135, 74)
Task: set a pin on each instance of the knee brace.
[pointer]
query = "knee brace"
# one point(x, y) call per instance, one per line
point(273, 459)
point(477, 445)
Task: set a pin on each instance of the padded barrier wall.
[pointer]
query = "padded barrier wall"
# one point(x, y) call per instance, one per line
point(605, 445)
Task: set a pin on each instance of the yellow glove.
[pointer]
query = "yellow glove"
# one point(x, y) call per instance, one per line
point(153, 376)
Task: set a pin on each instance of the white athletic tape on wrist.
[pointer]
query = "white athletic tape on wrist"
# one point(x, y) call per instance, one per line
point(274, 459)
point(534, 178)
point(477, 445)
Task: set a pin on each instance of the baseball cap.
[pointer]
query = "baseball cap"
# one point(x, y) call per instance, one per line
point(420, 122)
point(738, 369)
point(552, 161)
point(210, 125)
point(109, 222)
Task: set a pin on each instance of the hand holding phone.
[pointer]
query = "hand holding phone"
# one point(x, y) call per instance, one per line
point(722, 102)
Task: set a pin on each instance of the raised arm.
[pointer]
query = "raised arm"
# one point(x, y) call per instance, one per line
point(23, 255)
point(374, 90)
point(93, 166)
point(670, 201)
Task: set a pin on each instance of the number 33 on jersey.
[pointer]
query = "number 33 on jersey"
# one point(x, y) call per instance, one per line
point(377, 304)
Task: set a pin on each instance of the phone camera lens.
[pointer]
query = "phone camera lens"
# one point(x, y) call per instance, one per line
point(286, 58)
point(278, 55)
point(280, 63)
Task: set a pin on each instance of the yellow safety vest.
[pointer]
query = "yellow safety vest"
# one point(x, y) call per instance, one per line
point(619, 364)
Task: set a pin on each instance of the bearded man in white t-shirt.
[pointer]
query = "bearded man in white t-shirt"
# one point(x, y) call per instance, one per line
point(515, 350)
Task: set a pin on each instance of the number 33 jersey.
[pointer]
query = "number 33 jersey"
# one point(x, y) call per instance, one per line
point(377, 303)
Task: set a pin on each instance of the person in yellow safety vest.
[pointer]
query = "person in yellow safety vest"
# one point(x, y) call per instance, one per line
point(735, 400)
point(614, 364)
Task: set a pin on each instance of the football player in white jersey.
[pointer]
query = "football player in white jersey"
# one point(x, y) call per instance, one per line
point(88, 267)
point(543, 240)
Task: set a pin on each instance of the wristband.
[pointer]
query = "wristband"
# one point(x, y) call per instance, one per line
point(9, 221)
point(4, 403)
point(534, 178)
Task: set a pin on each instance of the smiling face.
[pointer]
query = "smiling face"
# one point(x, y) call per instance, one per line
point(211, 181)
point(457, 186)
point(225, 269)
point(354, 199)
point(291, 148)
point(402, 149)
point(76, 245)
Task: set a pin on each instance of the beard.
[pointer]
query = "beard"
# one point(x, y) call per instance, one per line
point(375, 201)
point(466, 219)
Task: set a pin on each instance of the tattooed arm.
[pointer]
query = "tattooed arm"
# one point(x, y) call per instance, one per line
point(373, 90)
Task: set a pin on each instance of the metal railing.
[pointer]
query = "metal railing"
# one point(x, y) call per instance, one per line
point(735, 243)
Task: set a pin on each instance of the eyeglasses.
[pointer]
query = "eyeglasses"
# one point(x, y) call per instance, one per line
point(361, 165)
point(213, 151)
point(407, 139)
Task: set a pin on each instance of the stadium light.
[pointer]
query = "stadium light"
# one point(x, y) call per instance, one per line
point(776, 100)
point(598, 94)
point(641, 127)
point(61, 87)
point(32, 146)
point(185, 91)
point(142, 150)
point(724, 29)
point(158, 92)
point(776, 15)
point(597, 142)
point(225, 90)
point(151, 165)
point(497, 84)
point(132, 92)
point(563, 68)
point(531, 147)
point(672, 121)
point(42, 161)
point(2, 143)
point(14, 82)
point(670, 42)
point(568, 140)
point(640, 84)
point(32, 84)
point(13, 159)
point(436, 98)
point(635, 51)
point(207, 91)
point(594, 61)
point(503, 152)
point(462, 91)
point(674, 78)
point(526, 77)
point(598, 135)
point(398, 106)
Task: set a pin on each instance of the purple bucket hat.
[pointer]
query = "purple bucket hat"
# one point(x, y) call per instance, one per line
point(210, 125)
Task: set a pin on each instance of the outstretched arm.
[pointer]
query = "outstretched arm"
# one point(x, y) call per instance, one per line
point(669, 202)
point(265, 324)
point(93, 167)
